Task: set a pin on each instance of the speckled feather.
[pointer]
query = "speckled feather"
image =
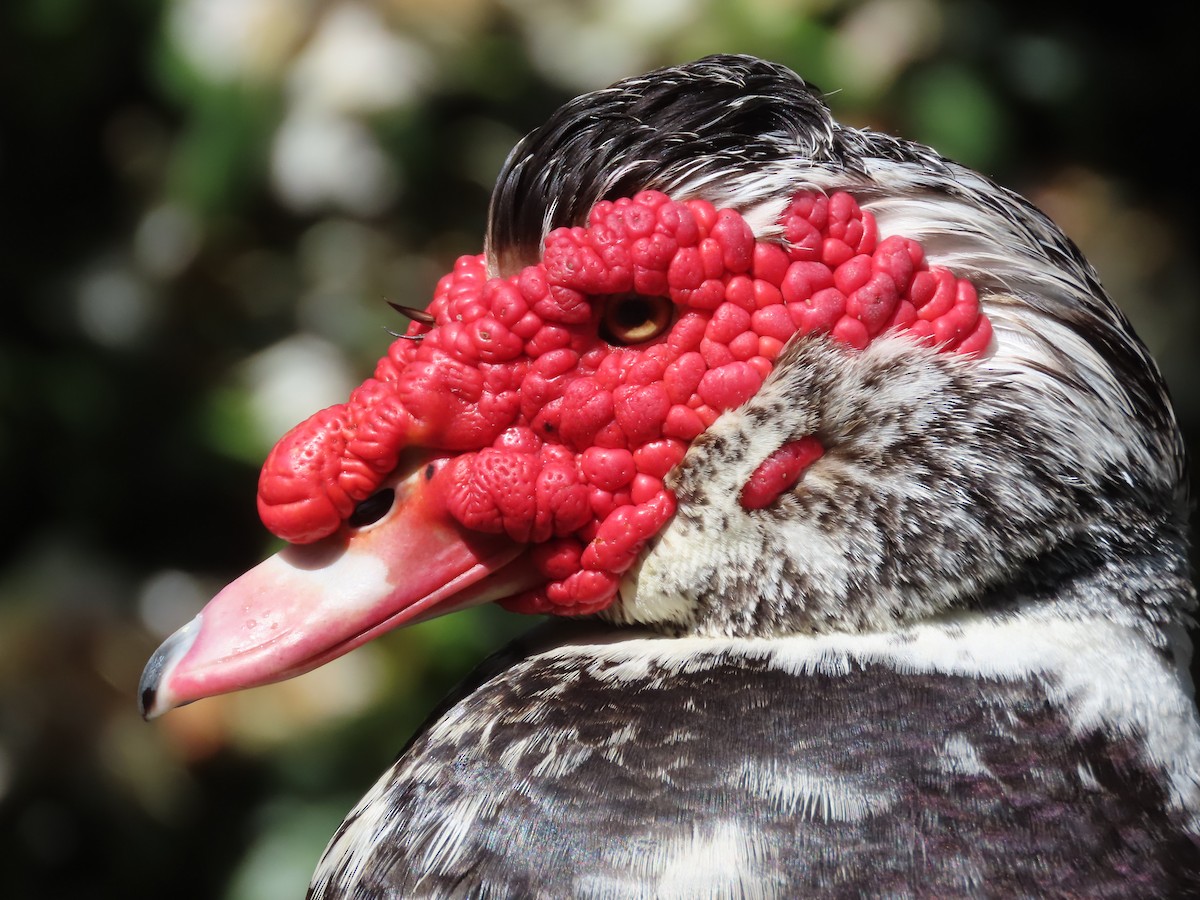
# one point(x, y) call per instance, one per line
point(949, 660)
point(638, 768)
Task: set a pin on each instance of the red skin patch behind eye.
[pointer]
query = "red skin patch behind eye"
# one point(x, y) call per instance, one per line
point(779, 472)
point(564, 438)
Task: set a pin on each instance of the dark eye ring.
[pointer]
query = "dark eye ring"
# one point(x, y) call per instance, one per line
point(372, 509)
point(635, 319)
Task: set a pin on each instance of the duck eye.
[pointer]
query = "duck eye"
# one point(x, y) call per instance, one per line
point(634, 319)
point(372, 509)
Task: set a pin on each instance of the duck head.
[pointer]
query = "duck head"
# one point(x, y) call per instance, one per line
point(723, 367)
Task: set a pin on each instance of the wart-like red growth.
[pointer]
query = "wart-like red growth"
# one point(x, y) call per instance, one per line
point(565, 438)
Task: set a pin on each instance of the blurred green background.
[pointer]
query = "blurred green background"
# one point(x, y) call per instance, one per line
point(204, 203)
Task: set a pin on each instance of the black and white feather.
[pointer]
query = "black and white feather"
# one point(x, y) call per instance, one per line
point(953, 663)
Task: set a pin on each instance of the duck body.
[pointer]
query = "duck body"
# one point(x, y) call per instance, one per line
point(871, 504)
point(930, 762)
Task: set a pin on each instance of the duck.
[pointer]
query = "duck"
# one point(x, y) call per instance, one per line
point(853, 511)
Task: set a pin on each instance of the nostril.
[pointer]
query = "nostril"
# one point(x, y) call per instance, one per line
point(372, 509)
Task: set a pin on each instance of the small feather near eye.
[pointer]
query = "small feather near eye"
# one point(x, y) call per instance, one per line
point(779, 472)
point(635, 319)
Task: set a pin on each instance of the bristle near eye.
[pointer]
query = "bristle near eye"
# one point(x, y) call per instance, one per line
point(417, 315)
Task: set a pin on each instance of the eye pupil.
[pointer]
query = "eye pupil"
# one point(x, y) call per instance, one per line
point(632, 313)
point(372, 509)
point(635, 319)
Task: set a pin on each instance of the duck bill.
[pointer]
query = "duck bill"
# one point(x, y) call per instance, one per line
point(309, 604)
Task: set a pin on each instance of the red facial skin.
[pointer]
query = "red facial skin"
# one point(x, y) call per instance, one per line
point(563, 437)
point(779, 472)
point(538, 417)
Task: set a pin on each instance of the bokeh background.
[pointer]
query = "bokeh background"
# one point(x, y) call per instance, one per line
point(203, 206)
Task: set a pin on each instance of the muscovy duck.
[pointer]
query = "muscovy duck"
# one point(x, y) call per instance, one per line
point(857, 507)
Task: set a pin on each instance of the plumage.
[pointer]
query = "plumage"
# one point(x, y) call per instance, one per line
point(679, 767)
point(947, 656)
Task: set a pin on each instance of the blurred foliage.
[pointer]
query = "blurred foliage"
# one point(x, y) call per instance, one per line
point(203, 204)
